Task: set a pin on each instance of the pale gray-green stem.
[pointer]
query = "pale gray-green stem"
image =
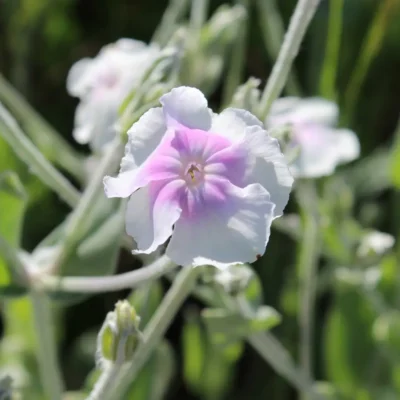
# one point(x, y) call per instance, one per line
point(45, 136)
point(108, 163)
point(46, 346)
point(107, 378)
point(155, 330)
point(101, 284)
point(307, 269)
point(273, 31)
point(28, 153)
point(269, 348)
point(237, 59)
point(169, 22)
point(301, 18)
point(10, 255)
point(198, 15)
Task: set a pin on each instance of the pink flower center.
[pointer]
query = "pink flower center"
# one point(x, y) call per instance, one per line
point(200, 165)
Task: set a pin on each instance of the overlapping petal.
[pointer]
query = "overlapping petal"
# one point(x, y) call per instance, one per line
point(188, 107)
point(151, 213)
point(225, 236)
point(269, 167)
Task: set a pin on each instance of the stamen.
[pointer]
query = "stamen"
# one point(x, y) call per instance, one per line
point(192, 170)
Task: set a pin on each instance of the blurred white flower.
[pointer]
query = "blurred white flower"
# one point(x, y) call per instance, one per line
point(102, 83)
point(321, 146)
point(375, 243)
point(212, 182)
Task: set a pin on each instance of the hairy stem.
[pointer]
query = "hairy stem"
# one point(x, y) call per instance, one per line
point(45, 137)
point(298, 25)
point(28, 153)
point(155, 330)
point(107, 283)
point(46, 346)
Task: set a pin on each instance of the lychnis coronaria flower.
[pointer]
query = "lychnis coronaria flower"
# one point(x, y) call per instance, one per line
point(212, 182)
point(320, 144)
point(102, 83)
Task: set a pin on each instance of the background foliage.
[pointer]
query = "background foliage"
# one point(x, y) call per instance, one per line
point(357, 330)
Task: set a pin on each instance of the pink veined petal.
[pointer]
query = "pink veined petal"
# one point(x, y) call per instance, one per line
point(186, 106)
point(236, 233)
point(197, 144)
point(233, 163)
point(151, 213)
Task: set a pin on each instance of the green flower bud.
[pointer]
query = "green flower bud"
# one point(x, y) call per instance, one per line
point(119, 335)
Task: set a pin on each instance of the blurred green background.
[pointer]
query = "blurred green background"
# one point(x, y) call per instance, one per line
point(41, 39)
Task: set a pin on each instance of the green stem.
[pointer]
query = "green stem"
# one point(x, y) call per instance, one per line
point(28, 153)
point(307, 266)
point(16, 267)
point(81, 214)
point(107, 283)
point(273, 31)
point(272, 351)
point(332, 48)
point(269, 348)
point(45, 137)
point(369, 49)
point(174, 12)
point(107, 379)
point(155, 330)
point(198, 15)
point(237, 61)
point(46, 346)
point(298, 25)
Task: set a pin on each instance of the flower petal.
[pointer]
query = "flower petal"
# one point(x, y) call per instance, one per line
point(151, 213)
point(129, 45)
point(122, 186)
point(232, 122)
point(270, 168)
point(322, 149)
point(186, 106)
point(348, 145)
point(235, 234)
point(143, 138)
point(79, 77)
point(94, 122)
point(312, 110)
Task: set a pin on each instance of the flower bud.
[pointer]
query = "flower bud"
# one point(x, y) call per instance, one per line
point(119, 335)
point(234, 279)
point(247, 96)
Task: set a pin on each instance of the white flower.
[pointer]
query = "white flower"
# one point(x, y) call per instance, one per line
point(212, 182)
point(375, 243)
point(102, 83)
point(321, 146)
